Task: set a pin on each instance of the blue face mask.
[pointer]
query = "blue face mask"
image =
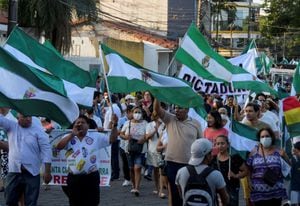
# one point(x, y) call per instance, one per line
point(266, 141)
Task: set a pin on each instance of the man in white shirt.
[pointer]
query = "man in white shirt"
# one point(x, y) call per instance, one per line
point(115, 169)
point(28, 147)
point(82, 153)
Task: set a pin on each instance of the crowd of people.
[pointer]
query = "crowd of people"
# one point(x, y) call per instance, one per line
point(155, 141)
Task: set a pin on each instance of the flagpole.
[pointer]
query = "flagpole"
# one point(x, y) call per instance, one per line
point(231, 119)
point(173, 58)
point(105, 78)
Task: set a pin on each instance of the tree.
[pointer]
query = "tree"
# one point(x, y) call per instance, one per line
point(54, 18)
point(216, 10)
point(282, 26)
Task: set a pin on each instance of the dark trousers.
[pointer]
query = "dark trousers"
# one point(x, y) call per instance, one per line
point(84, 189)
point(273, 202)
point(172, 169)
point(125, 166)
point(115, 169)
point(19, 183)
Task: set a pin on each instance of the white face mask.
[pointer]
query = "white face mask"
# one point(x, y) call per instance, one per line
point(137, 116)
point(266, 141)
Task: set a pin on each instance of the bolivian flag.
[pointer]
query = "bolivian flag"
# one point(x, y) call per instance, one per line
point(291, 109)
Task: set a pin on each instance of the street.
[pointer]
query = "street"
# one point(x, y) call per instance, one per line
point(116, 195)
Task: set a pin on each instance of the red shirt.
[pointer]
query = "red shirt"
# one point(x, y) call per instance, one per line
point(211, 134)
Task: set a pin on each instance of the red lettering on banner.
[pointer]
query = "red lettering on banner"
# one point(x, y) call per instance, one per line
point(57, 179)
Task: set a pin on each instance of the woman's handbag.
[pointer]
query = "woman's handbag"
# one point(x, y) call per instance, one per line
point(270, 177)
point(133, 145)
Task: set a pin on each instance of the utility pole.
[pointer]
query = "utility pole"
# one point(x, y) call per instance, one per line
point(249, 20)
point(283, 50)
point(12, 15)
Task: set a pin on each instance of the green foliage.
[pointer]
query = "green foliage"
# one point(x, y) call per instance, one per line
point(282, 26)
point(54, 17)
point(3, 4)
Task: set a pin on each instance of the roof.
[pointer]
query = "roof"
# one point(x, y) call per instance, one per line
point(142, 34)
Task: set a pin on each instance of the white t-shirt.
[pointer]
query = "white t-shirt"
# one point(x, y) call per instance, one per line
point(83, 156)
point(152, 143)
point(97, 120)
point(108, 114)
point(137, 131)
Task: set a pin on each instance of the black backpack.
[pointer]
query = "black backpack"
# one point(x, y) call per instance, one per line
point(197, 190)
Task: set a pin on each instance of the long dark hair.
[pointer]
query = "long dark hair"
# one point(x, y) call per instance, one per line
point(218, 119)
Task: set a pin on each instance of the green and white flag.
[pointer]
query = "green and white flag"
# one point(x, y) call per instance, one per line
point(242, 137)
point(266, 63)
point(126, 76)
point(46, 58)
point(250, 47)
point(247, 61)
point(296, 82)
point(82, 96)
point(27, 49)
point(196, 54)
point(33, 92)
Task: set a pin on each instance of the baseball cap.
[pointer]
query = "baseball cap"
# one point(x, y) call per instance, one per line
point(128, 96)
point(199, 149)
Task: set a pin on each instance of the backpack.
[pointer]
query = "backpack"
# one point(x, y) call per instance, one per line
point(197, 190)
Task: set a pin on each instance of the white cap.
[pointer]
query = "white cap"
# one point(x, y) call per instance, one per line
point(224, 117)
point(199, 149)
point(128, 96)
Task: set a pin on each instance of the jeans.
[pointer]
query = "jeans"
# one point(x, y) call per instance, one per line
point(115, 160)
point(172, 169)
point(18, 183)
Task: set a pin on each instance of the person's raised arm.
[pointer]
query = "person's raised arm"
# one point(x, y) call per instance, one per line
point(157, 110)
point(64, 141)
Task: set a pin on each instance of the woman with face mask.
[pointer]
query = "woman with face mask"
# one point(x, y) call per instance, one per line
point(136, 132)
point(266, 156)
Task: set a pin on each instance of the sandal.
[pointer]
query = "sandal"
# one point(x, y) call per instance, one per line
point(133, 190)
point(162, 195)
point(137, 193)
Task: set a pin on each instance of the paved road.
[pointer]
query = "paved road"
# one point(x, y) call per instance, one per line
point(116, 195)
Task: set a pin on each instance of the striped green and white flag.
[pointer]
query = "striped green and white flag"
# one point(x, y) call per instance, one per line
point(296, 82)
point(266, 62)
point(249, 47)
point(196, 54)
point(33, 92)
point(79, 84)
point(126, 76)
point(242, 138)
point(247, 61)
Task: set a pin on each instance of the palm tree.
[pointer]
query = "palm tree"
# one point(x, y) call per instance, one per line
point(222, 5)
point(54, 18)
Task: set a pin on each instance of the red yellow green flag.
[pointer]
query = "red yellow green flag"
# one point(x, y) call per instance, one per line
point(291, 109)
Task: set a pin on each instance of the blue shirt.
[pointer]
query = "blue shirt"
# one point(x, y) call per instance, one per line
point(27, 146)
